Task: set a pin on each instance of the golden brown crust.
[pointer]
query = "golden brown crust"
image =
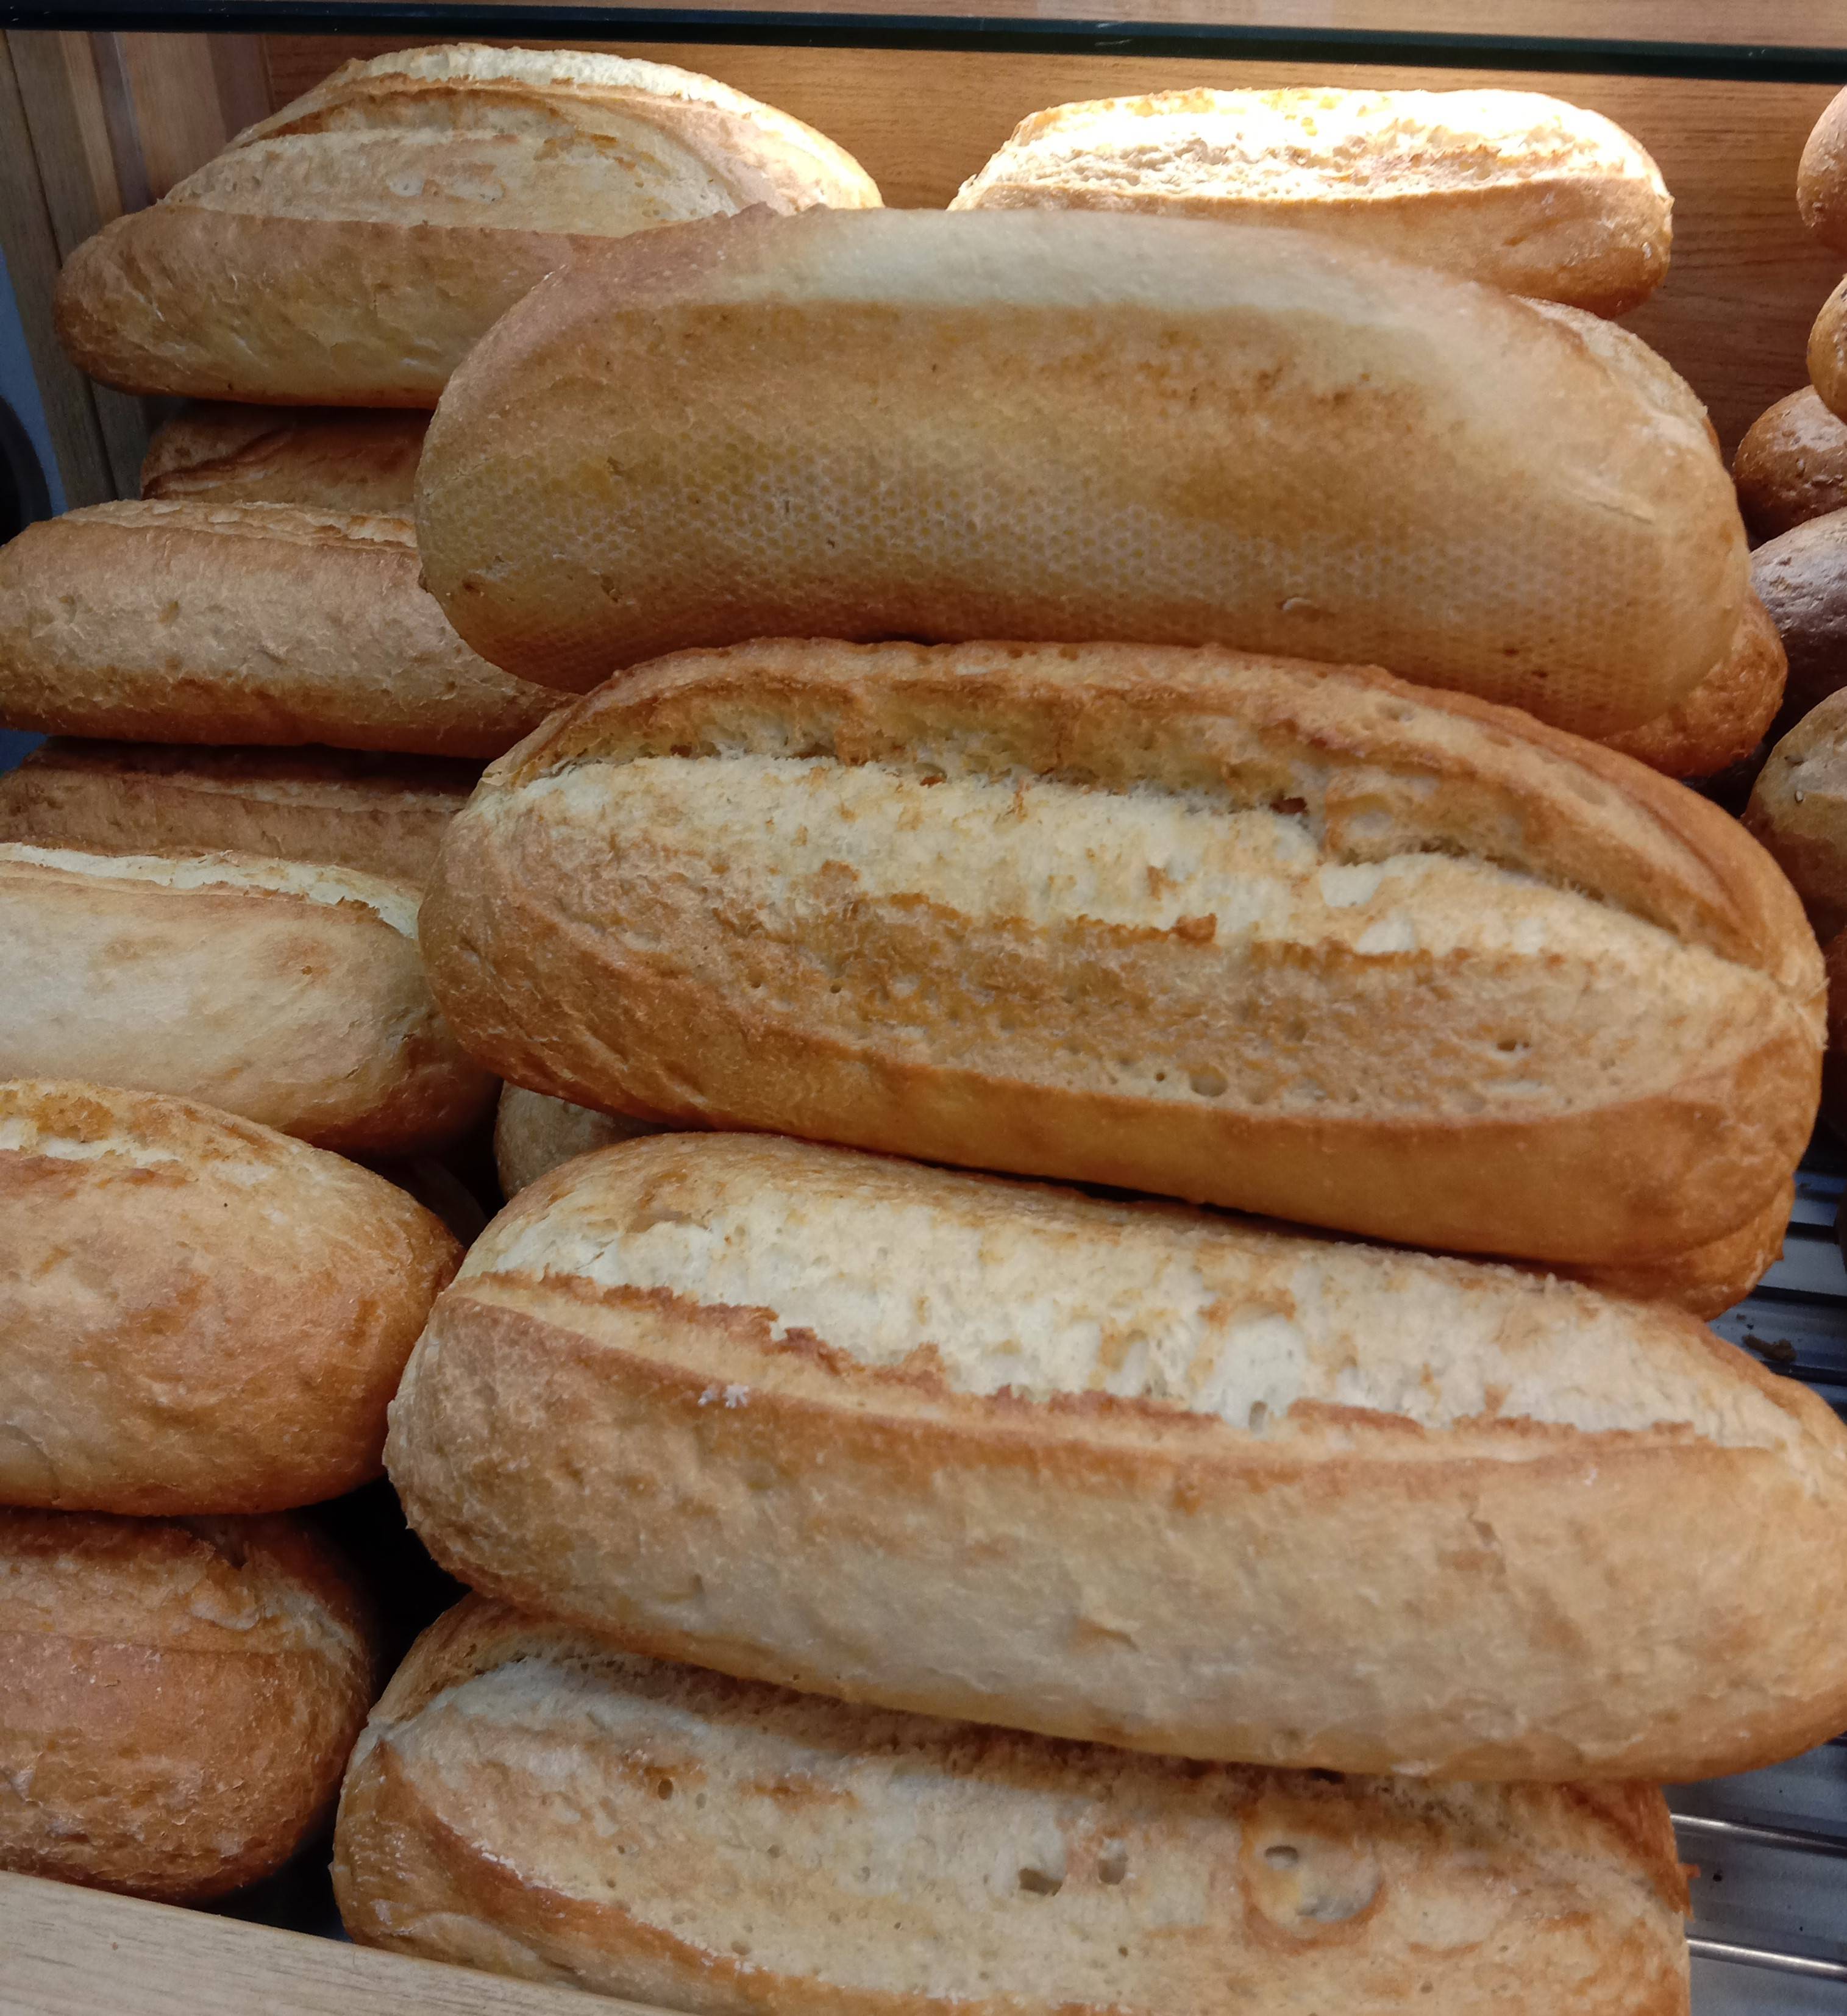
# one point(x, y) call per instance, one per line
point(1791, 465)
point(567, 958)
point(1725, 716)
point(382, 815)
point(181, 1697)
point(1706, 1281)
point(1087, 426)
point(289, 992)
point(334, 461)
point(1827, 353)
point(533, 1133)
point(1821, 181)
point(201, 1316)
point(1057, 1877)
point(266, 624)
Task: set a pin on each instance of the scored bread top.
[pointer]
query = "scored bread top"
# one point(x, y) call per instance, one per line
point(318, 457)
point(293, 524)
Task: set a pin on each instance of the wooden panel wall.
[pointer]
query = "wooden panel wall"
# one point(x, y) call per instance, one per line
point(1733, 317)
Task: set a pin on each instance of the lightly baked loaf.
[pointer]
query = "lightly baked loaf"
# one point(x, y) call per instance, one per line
point(527, 1799)
point(180, 1698)
point(1298, 939)
point(382, 815)
point(1522, 192)
point(1726, 716)
point(1074, 426)
point(1791, 465)
point(322, 457)
point(1125, 1472)
point(533, 1133)
point(349, 249)
point(284, 991)
point(201, 1314)
point(1799, 811)
point(189, 622)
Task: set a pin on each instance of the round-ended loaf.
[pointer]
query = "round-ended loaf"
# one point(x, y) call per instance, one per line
point(349, 249)
point(1294, 938)
point(382, 815)
point(1799, 811)
point(191, 621)
point(1726, 715)
point(1828, 352)
point(533, 1133)
point(1127, 1472)
point(1821, 182)
point(1801, 577)
point(200, 1315)
point(322, 457)
point(1518, 190)
point(1069, 425)
point(528, 1799)
point(287, 992)
point(180, 1698)
point(1791, 465)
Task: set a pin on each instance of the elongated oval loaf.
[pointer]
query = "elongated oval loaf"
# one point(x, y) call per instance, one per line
point(348, 249)
point(189, 622)
point(287, 992)
point(1064, 425)
point(1297, 939)
point(200, 1315)
point(180, 1698)
point(528, 1799)
point(322, 457)
point(1523, 192)
point(1125, 1472)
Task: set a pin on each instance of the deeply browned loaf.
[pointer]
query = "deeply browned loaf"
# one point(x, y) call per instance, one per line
point(1791, 465)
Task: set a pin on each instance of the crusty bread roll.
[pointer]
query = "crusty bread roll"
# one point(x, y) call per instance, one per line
point(1705, 1280)
point(287, 992)
point(1126, 1472)
point(329, 460)
point(382, 815)
point(1725, 716)
point(1791, 465)
point(251, 623)
point(1062, 425)
point(1828, 352)
point(348, 249)
point(200, 1315)
point(528, 1799)
point(1521, 191)
point(533, 1133)
point(1801, 577)
point(1295, 938)
point(179, 1698)
point(1821, 181)
point(1799, 811)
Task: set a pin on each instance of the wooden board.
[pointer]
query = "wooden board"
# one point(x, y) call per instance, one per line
point(65, 1952)
point(1746, 280)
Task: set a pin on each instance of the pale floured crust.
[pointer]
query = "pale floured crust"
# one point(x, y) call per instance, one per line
point(1791, 465)
point(1725, 716)
point(290, 992)
point(1072, 426)
point(181, 1697)
point(1286, 938)
point(380, 224)
point(186, 620)
point(1799, 811)
point(1520, 191)
point(527, 1799)
point(328, 459)
point(533, 1133)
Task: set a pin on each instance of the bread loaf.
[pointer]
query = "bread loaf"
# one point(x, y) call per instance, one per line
point(1801, 579)
point(286, 991)
point(1706, 1281)
point(1821, 182)
point(243, 623)
point(1799, 811)
point(1298, 939)
point(1791, 465)
point(1061, 425)
point(349, 249)
point(527, 1799)
point(201, 1314)
point(1125, 1472)
point(180, 1698)
point(1726, 716)
point(1518, 190)
point(331, 460)
point(383, 815)
point(533, 1134)
point(1827, 353)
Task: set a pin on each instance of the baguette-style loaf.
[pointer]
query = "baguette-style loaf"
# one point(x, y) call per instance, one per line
point(1523, 192)
point(322, 457)
point(271, 624)
point(382, 815)
point(1801, 577)
point(1725, 716)
point(349, 249)
point(200, 1315)
point(179, 1698)
point(1799, 811)
point(529, 1799)
point(1821, 181)
point(1070, 425)
point(1127, 1472)
point(533, 1133)
point(1298, 939)
point(287, 992)
point(1791, 465)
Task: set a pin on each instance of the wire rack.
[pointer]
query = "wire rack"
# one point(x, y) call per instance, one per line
point(1769, 1919)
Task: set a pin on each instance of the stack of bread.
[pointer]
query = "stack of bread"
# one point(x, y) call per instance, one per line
point(1094, 724)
